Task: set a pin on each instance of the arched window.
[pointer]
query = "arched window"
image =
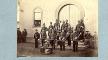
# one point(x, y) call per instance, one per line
point(37, 17)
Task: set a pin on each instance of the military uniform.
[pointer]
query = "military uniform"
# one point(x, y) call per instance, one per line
point(75, 41)
point(80, 28)
point(57, 37)
point(62, 43)
point(66, 27)
point(56, 27)
point(71, 34)
point(68, 38)
point(44, 28)
point(63, 34)
point(52, 42)
point(52, 37)
point(50, 31)
point(63, 26)
point(43, 34)
point(82, 24)
point(51, 26)
point(62, 39)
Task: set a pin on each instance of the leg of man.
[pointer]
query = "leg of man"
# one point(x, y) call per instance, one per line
point(74, 46)
point(63, 45)
point(42, 42)
point(60, 47)
point(36, 43)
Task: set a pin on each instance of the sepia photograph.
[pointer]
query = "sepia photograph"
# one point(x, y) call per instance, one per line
point(57, 28)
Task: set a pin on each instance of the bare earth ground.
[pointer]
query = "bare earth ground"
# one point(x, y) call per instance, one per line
point(28, 50)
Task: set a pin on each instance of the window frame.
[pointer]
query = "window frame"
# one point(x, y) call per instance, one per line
point(37, 10)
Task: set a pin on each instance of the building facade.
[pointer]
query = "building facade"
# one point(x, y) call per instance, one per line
point(33, 13)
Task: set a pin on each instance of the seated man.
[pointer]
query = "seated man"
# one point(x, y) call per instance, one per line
point(46, 49)
point(88, 39)
point(62, 43)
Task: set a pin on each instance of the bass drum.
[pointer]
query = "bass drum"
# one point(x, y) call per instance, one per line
point(48, 51)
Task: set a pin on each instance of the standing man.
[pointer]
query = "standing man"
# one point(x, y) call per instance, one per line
point(75, 42)
point(43, 37)
point(44, 28)
point(24, 35)
point(56, 26)
point(66, 26)
point(82, 24)
point(62, 43)
point(88, 39)
point(78, 30)
point(62, 40)
point(57, 38)
point(75, 45)
point(43, 34)
point(36, 37)
point(63, 26)
point(82, 30)
point(51, 37)
point(50, 30)
point(52, 42)
point(72, 34)
point(68, 38)
point(19, 36)
point(51, 26)
point(63, 34)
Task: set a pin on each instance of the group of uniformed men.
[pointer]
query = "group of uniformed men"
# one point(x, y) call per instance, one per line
point(59, 34)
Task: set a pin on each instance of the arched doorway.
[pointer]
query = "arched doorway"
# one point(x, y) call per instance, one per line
point(70, 11)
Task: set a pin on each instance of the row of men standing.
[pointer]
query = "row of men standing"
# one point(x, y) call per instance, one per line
point(61, 34)
point(21, 36)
